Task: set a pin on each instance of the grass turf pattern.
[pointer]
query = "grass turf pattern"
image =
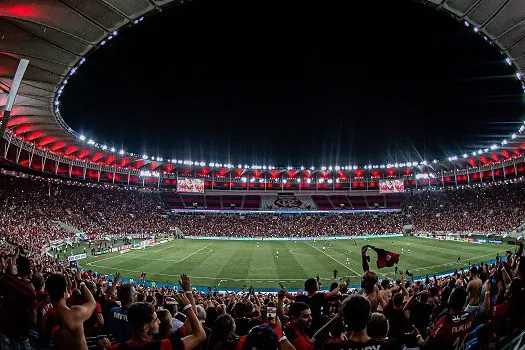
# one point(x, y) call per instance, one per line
point(237, 263)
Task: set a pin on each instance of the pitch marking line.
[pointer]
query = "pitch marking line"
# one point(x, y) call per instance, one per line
point(151, 259)
point(340, 263)
point(201, 277)
point(206, 246)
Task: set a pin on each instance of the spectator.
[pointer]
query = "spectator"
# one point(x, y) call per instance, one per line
point(18, 308)
point(70, 329)
point(355, 314)
point(223, 335)
point(300, 320)
point(118, 316)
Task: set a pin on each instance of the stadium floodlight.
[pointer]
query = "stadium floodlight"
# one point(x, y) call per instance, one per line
point(312, 168)
point(104, 147)
point(466, 23)
point(121, 152)
point(114, 33)
point(480, 151)
point(103, 42)
point(435, 161)
point(243, 179)
point(465, 155)
point(160, 159)
point(239, 166)
point(330, 168)
point(354, 167)
point(321, 180)
point(211, 164)
point(323, 168)
point(284, 181)
point(82, 61)
point(112, 149)
point(82, 138)
point(264, 167)
point(298, 180)
point(493, 147)
point(509, 61)
point(504, 142)
point(144, 157)
point(337, 168)
point(288, 168)
point(414, 163)
point(179, 161)
point(152, 158)
point(330, 181)
point(513, 136)
point(302, 168)
point(202, 164)
point(485, 150)
point(91, 142)
point(521, 128)
point(476, 29)
point(57, 103)
point(474, 153)
point(519, 75)
point(308, 181)
point(252, 179)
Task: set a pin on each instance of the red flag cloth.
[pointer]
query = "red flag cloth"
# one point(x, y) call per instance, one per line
point(386, 258)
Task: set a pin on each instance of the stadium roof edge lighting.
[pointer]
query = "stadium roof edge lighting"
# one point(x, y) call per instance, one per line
point(48, 82)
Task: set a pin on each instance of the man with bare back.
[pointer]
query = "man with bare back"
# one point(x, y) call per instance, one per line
point(474, 291)
point(68, 332)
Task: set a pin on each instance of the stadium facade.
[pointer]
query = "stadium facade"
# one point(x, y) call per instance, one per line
point(58, 36)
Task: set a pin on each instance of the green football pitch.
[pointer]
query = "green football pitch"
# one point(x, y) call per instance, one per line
point(237, 263)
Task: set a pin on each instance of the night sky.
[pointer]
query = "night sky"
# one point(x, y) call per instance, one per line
point(296, 83)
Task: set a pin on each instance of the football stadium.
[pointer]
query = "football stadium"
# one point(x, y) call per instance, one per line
point(204, 175)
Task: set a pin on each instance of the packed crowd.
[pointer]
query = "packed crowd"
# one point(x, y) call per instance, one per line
point(489, 209)
point(49, 305)
point(305, 225)
point(492, 209)
point(34, 211)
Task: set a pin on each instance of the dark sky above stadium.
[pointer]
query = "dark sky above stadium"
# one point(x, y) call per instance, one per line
point(296, 83)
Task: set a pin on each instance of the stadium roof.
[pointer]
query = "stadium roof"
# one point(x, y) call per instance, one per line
point(55, 36)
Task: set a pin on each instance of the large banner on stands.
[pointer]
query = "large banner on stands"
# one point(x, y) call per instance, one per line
point(391, 186)
point(143, 244)
point(190, 185)
point(118, 249)
point(76, 257)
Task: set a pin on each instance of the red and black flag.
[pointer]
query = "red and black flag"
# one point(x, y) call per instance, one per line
point(385, 258)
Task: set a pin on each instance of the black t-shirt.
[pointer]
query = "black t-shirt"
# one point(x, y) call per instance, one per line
point(315, 302)
point(420, 314)
point(398, 322)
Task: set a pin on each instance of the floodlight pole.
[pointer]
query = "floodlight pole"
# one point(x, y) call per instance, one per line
point(12, 94)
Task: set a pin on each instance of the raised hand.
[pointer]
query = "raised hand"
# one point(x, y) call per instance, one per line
point(185, 283)
point(182, 300)
point(281, 294)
